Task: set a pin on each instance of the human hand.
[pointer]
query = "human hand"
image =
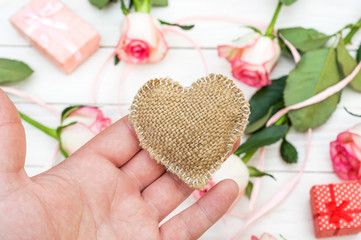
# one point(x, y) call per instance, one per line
point(108, 189)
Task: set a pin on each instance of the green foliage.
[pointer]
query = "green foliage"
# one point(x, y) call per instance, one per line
point(351, 113)
point(13, 70)
point(255, 29)
point(100, 4)
point(268, 97)
point(184, 27)
point(287, 2)
point(316, 71)
point(67, 111)
point(264, 137)
point(255, 126)
point(358, 54)
point(249, 189)
point(116, 60)
point(304, 39)
point(254, 172)
point(347, 64)
point(248, 155)
point(288, 152)
point(160, 3)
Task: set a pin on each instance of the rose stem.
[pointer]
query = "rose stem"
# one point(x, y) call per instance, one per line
point(49, 131)
point(271, 26)
point(142, 5)
point(354, 29)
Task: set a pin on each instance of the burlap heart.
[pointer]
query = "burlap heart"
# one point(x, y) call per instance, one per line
point(192, 130)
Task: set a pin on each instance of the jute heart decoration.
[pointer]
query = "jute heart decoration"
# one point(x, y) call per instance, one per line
point(191, 131)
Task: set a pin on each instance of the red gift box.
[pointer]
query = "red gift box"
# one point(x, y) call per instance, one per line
point(336, 209)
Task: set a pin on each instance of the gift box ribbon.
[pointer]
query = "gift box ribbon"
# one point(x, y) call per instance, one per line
point(40, 19)
point(336, 213)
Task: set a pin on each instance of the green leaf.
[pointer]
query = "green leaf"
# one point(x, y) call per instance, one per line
point(358, 54)
point(58, 131)
point(287, 2)
point(288, 152)
point(351, 113)
point(248, 155)
point(255, 126)
point(254, 172)
point(266, 136)
point(316, 71)
point(160, 3)
point(304, 39)
point(13, 70)
point(249, 189)
point(255, 29)
point(67, 111)
point(265, 98)
point(124, 8)
point(116, 60)
point(99, 3)
point(184, 27)
point(347, 65)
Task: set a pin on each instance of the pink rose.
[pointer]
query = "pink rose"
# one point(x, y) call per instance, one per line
point(346, 154)
point(233, 168)
point(252, 58)
point(142, 40)
point(265, 236)
point(88, 122)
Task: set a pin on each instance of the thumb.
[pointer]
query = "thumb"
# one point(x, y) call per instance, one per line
point(12, 137)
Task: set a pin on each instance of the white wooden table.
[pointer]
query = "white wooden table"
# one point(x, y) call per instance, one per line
point(292, 218)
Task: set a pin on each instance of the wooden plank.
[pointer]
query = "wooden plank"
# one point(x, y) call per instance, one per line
point(183, 65)
point(305, 13)
point(40, 147)
point(292, 218)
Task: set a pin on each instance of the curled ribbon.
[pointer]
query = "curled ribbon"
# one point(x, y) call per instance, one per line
point(40, 19)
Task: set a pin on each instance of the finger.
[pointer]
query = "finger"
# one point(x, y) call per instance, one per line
point(117, 143)
point(194, 221)
point(12, 137)
point(165, 194)
point(143, 170)
point(236, 145)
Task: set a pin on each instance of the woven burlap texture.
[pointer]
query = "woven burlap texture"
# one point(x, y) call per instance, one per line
point(191, 131)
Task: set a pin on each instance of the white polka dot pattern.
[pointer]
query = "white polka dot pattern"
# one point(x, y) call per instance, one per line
point(347, 197)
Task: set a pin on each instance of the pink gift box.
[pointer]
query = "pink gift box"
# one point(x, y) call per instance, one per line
point(57, 32)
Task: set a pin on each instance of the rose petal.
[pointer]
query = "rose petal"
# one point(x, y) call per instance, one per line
point(234, 50)
point(75, 136)
point(233, 168)
point(86, 115)
point(262, 52)
point(141, 26)
point(267, 236)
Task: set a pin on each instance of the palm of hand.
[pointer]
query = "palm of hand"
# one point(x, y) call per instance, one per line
point(109, 189)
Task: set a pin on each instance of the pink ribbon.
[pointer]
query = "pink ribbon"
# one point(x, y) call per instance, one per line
point(40, 19)
point(37, 101)
point(195, 45)
point(295, 54)
point(316, 98)
point(31, 98)
point(281, 196)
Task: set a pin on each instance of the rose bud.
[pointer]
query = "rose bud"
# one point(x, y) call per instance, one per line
point(346, 154)
point(252, 58)
point(233, 168)
point(79, 125)
point(265, 236)
point(142, 40)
